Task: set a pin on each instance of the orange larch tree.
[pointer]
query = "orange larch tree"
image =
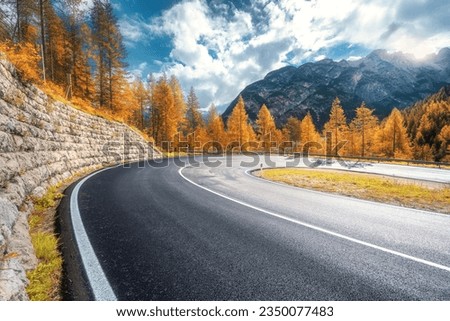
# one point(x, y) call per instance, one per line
point(194, 121)
point(364, 127)
point(310, 138)
point(163, 126)
point(336, 126)
point(216, 128)
point(393, 140)
point(142, 100)
point(266, 129)
point(292, 132)
point(240, 133)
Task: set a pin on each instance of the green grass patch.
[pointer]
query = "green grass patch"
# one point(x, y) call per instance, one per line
point(403, 192)
point(48, 200)
point(45, 279)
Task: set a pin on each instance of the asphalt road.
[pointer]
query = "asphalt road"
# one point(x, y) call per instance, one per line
point(217, 233)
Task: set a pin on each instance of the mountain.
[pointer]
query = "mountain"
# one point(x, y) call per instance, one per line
point(382, 80)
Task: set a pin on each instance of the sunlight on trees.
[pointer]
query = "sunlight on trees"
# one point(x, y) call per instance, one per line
point(266, 130)
point(393, 140)
point(82, 56)
point(240, 133)
point(310, 138)
point(363, 128)
point(337, 125)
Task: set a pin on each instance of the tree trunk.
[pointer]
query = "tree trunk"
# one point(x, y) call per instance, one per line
point(41, 10)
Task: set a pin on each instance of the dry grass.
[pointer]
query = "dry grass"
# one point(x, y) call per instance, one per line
point(174, 154)
point(407, 193)
point(57, 94)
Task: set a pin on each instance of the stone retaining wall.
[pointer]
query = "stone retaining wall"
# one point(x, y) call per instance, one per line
point(43, 142)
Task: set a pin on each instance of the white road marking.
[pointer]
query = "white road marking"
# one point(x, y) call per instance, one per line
point(319, 229)
point(97, 279)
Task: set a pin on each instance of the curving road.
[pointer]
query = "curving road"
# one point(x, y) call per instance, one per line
point(198, 232)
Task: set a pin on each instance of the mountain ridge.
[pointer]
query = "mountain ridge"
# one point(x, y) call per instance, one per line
point(382, 80)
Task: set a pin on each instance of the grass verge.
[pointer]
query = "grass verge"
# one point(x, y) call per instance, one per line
point(403, 192)
point(45, 279)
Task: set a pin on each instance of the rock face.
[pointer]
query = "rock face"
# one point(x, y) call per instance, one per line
point(43, 142)
point(382, 80)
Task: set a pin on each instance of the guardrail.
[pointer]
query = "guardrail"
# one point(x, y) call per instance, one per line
point(382, 160)
point(408, 162)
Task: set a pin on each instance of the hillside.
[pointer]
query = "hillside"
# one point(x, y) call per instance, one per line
point(382, 80)
point(428, 122)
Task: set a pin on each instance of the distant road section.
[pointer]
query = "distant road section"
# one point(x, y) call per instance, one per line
point(413, 172)
point(209, 231)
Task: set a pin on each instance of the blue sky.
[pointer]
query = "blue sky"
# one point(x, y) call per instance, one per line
point(219, 47)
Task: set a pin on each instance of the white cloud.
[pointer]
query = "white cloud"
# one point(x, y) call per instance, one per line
point(137, 72)
point(220, 49)
point(133, 29)
point(320, 57)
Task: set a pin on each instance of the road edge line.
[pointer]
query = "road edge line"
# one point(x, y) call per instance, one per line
point(100, 286)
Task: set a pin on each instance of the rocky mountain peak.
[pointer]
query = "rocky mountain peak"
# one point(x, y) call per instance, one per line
point(383, 80)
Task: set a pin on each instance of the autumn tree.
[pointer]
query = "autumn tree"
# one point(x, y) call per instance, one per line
point(194, 117)
point(179, 103)
point(443, 154)
point(310, 138)
point(55, 49)
point(163, 125)
point(352, 147)
point(194, 121)
point(364, 127)
point(78, 47)
point(129, 106)
point(25, 12)
point(142, 101)
point(216, 128)
point(83, 83)
point(435, 115)
point(43, 41)
point(179, 117)
point(266, 129)
point(292, 132)
point(109, 54)
point(393, 139)
point(336, 126)
point(240, 133)
point(100, 38)
point(55, 35)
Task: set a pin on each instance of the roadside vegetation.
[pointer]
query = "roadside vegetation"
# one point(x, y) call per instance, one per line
point(395, 191)
point(45, 279)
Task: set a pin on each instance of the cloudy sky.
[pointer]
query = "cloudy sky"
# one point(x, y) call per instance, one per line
point(219, 47)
